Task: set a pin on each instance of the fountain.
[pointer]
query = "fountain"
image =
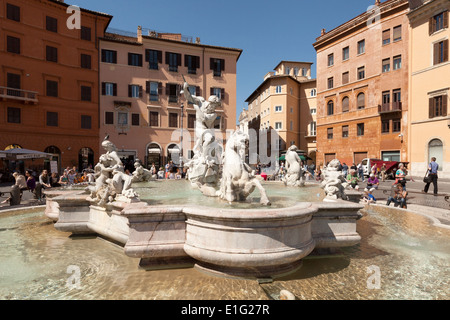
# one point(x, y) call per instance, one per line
point(232, 236)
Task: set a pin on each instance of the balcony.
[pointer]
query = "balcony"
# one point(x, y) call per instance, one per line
point(19, 95)
point(390, 108)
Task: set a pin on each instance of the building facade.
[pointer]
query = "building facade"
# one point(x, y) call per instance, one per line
point(362, 86)
point(49, 80)
point(282, 109)
point(429, 122)
point(141, 108)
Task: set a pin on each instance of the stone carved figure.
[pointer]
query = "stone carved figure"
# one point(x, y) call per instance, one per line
point(238, 181)
point(140, 173)
point(204, 168)
point(111, 182)
point(294, 169)
point(334, 182)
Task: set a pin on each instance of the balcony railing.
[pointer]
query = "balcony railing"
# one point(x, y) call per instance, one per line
point(18, 94)
point(388, 107)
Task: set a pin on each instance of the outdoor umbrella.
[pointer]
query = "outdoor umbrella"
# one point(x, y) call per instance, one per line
point(22, 154)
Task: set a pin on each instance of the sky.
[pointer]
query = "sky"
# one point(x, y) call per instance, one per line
point(268, 31)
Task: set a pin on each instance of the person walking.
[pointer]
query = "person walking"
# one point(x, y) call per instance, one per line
point(432, 173)
point(345, 169)
point(361, 171)
point(383, 172)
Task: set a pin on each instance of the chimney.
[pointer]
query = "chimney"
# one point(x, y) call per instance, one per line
point(197, 40)
point(323, 32)
point(377, 2)
point(139, 34)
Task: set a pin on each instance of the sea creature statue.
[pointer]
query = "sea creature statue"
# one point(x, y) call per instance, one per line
point(140, 173)
point(334, 182)
point(111, 182)
point(238, 181)
point(204, 168)
point(294, 174)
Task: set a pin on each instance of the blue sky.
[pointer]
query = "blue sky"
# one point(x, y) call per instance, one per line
point(267, 31)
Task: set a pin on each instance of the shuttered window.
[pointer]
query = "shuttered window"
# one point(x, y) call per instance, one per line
point(173, 60)
point(51, 24)
point(217, 65)
point(109, 56)
point(345, 104)
point(173, 120)
point(135, 119)
point(344, 131)
point(192, 63)
point(386, 36)
point(397, 33)
point(438, 106)
point(191, 121)
point(52, 119)
point(154, 119)
point(13, 12)
point(86, 33)
point(86, 122)
point(135, 59)
point(86, 61)
point(153, 57)
point(109, 117)
point(52, 88)
point(86, 93)
point(345, 77)
point(52, 54)
point(361, 101)
point(440, 52)
point(330, 108)
point(438, 22)
point(13, 44)
point(330, 133)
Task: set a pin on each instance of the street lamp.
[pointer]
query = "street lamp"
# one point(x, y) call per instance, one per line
point(181, 143)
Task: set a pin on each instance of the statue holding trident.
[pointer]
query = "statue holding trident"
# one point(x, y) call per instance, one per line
point(204, 167)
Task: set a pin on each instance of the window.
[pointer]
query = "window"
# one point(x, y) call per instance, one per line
point(345, 104)
point(52, 54)
point(288, 70)
point(109, 117)
point(278, 89)
point(13, 115)
point(85, 61)
point(191, 121)
point(86, 122)
point(218, 92)
point(345, 53)
point(278, 108)
point(304, 72)
point(192, 63)
point(330, 108)
point(13, 81)
point(397, 62)
point(172, 90)
point(173, 60)
point(385, 126)
point(386, 37)
point(360, 129)
point(173, 120)
point(135, 119)
point(344, 131)
point(440, 52)
point(361, 73)
point(330, 83)
point(312, 128)
point(330, 133)
point(313, 92)
point(313, 111)
point(397, 95)
point(438, 106)
point(52, 88)
point(330, 59)
point(218, 66)
point(397, 33)
point(13, 44)
point(109, 56)
point(361, 46)
point(386, 65)
point(345, 77)
point(291, 125)
point(296, 71)
point(386, 96)
point(85, 33)
point(278, 125)
point(217, 123)
point(51, 24)
point(153, 57)
point(438, 22)
point(134, 59)
point(154, 89)
point(396, 125)
point(122, 119)
point(154, 119)
point(361, 101)
point(86, 93)
point(134, 91)
point(52, 119)
point(109, 89)
point(13, 12)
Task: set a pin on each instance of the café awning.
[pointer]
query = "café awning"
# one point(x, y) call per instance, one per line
point(23, 154)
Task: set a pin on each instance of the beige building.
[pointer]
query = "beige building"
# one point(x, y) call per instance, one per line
point(141, 78)
point(285, 103)
point(429, 72)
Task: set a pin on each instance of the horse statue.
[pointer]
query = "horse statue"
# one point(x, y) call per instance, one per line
point(238, 181)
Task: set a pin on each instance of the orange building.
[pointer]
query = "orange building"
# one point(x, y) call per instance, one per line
point(362, 86)
point(141, 78)
point(49, 79)
point(285, 104)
